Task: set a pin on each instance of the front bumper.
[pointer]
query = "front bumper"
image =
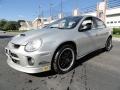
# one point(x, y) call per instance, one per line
point(28, 69)
point(17, 59)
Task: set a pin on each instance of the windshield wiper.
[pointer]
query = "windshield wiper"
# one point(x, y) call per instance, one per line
point(53, 27)
point(59, 27)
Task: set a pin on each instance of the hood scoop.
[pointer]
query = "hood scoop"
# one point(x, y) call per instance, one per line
point(22, 35)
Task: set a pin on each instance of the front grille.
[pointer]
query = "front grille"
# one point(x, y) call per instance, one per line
point(15, 61)
point(13, 54)
point(14, 57)
point(6, 51)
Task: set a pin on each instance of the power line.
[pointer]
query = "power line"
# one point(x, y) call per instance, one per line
point(91, 8)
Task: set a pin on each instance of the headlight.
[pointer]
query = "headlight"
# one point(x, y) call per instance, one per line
point(33, 45)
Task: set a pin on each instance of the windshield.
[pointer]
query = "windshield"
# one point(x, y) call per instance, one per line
point(66, 23)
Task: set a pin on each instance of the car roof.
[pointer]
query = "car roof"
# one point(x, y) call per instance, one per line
point(80, 16)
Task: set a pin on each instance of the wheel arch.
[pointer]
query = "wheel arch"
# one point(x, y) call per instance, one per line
point(67, 43)
point(62, 44)
point(110, 36)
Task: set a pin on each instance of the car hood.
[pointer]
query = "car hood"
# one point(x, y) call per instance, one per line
point(24, 38)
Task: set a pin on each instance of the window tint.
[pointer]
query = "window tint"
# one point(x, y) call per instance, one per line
point(99, 23)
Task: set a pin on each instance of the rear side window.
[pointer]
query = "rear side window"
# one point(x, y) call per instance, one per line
point(99, 23)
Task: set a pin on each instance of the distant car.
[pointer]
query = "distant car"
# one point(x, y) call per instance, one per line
point(2, 32)
point(57, 46)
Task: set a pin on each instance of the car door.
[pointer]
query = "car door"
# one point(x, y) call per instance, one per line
point(87, 35)
point(101, 32)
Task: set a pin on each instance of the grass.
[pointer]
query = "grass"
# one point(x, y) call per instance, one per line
point(17, 31)
point(116, 35)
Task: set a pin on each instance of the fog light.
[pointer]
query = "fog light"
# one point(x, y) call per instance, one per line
point(6, 51)
point(30, 61)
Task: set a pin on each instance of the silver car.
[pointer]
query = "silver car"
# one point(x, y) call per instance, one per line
point(58, 45)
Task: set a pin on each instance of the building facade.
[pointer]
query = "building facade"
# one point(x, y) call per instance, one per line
point(112, 17)
point(37, 23)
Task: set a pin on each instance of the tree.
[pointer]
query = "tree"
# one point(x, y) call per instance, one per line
point(2, 23)
point(11, 25)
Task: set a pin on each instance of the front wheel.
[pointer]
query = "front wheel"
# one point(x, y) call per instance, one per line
point(64, 59)
point(108, 45)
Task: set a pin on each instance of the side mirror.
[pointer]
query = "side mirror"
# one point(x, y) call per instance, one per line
point(85, 27)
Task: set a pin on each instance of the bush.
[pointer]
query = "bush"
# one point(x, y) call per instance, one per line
point(2, 23)
point(116, 31)
point(11, 25)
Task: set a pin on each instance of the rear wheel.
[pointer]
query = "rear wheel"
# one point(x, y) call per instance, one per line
point(64, 59)
point(108, 45)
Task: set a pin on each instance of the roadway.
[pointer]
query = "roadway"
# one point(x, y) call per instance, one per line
point(97, 71)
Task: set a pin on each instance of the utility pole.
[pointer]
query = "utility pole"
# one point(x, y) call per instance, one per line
point(42, 13)
point(51, 10)
point(61, 5)
point(39, 15)
point(105, 9)
point(39, 11)
point(61, 8)
point(50, 17)
point(101, 10)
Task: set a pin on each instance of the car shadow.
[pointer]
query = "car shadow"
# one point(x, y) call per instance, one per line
point(44, 74)
point(88, 57)
point(77, 63)
point(5, 36)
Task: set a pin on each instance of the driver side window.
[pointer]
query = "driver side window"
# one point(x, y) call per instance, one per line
point(87, 24)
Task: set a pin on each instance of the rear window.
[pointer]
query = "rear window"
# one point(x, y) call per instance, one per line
point(99, 23)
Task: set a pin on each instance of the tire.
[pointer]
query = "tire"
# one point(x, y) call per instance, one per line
point(108, 45)
point(64, 59)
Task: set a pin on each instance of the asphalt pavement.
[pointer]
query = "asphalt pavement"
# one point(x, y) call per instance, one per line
point(97, 71)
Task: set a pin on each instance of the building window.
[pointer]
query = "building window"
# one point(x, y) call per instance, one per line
point(115, 21)
point(118, 21)
point(111, 22)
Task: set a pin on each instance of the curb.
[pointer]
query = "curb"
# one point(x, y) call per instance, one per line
point(116, 39)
